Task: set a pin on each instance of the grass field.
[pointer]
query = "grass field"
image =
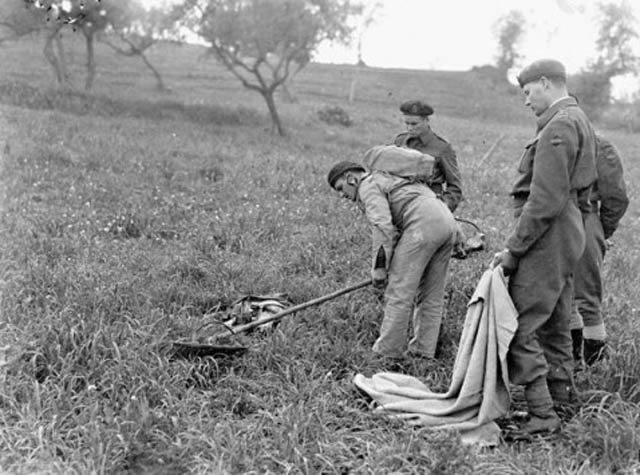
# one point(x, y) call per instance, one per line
point(128, 214)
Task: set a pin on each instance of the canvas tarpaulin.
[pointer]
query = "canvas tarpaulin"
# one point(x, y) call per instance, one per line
point(479, 390)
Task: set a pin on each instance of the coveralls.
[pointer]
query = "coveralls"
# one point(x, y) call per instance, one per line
point(609, 201)
point(416, 230)
point(445, 180)
point(556, 171)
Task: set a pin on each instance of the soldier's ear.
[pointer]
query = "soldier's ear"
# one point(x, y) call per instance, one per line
point(351, 179)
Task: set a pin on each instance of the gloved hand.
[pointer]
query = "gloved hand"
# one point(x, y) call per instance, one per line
point(379, 277)
point(507, 260)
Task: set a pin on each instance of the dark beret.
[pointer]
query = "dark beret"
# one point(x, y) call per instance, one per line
point(416, 108)
point(340, 169)
point(549, 68)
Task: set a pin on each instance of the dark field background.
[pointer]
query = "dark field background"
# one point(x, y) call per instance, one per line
point(129, 214)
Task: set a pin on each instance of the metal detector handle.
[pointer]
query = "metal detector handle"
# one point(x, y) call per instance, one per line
point(295, 308)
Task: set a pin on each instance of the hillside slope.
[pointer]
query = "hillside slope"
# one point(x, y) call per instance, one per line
point(196, 78)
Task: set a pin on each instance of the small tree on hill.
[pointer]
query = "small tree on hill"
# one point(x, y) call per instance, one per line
point(614, 45)
point(509, 30)
point(135, 26)
point(616, 35)
point(261, 42)
point(132, 30)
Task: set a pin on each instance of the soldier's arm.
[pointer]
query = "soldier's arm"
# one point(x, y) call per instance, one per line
point(453, 193)
point(550, 186)
point(376, 207)
point(611, 187)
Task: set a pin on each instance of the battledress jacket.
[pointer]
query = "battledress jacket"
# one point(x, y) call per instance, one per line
point(558, 165)
point(609, 195)
point(383, 198)
point(445, 170)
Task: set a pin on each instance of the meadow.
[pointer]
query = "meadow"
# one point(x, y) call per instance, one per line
point(129, 215)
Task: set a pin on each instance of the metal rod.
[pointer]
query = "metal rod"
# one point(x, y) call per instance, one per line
point(295, 308)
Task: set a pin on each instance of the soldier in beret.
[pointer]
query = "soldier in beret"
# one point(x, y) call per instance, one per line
point(556, 173)
point(445, 180)
point(609, 202)
point(413, 234)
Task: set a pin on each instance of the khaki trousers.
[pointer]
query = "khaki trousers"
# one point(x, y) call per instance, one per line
point(417, 278)
point(588, 276)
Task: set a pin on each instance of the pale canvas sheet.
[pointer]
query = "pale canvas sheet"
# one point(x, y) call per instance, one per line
point(479, 389)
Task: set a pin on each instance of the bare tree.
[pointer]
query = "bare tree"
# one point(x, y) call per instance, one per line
point(136, 29)
point(133, 30)
point(261, 42)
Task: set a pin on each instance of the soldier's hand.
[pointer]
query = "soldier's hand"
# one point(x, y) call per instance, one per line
point(507, 260)
point(379, 278)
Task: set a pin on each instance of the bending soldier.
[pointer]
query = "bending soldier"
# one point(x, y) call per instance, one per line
point(556, 172)
point(412, 237)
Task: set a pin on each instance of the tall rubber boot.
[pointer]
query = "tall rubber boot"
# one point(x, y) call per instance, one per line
point(543, 418)
point(594, 350)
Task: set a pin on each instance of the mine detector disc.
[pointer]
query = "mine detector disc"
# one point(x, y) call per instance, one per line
point(247, 309)
point(265, 310)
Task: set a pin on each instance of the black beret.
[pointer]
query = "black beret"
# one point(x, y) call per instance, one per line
point(416, 108)
point(549, 68)
point(340, 169)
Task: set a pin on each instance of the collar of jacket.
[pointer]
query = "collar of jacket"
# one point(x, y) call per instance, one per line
point(358, 200)
point(425, 137)
point(547, 115)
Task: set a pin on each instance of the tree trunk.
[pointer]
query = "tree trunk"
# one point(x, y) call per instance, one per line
point(56, 63)
point(62, 60)
point(91, 62)
point(159, 82)
point(275, 118)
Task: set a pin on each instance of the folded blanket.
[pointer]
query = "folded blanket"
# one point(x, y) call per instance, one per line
point(479, 389)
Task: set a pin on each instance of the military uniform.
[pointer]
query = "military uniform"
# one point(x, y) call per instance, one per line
point(445, 180)
point(416, 231)
point(556, 173)
point(609, 201)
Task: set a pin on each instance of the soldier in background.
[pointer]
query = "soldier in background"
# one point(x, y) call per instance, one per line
point(608, 201)
point(556, 173)
point(445, 180)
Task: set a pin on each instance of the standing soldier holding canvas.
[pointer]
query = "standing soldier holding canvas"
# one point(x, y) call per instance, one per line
point(445, 181)
point(556, 172)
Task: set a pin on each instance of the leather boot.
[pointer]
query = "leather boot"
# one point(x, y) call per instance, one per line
point(543, 418)
point(594, 350)
point(577, 339)
point(560, 391)
point(566, 400)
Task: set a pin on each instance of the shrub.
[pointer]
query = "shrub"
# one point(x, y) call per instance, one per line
point(335, 115)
